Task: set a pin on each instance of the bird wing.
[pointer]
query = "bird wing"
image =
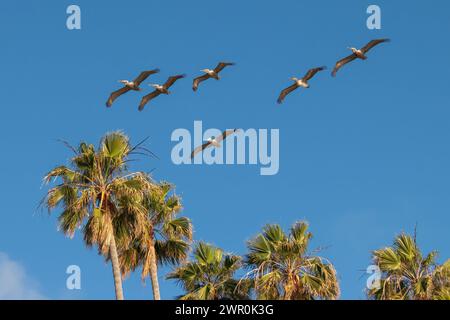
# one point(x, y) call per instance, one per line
point(225, 134)
point(312, 72)
point(115, 95)
point(286, 91)
point(222, 65)
point(147, 98)
point(343, 62)
point(200, 149)
point(372, 44)
point(198, 80)
point(144, 75)
point(172, 80)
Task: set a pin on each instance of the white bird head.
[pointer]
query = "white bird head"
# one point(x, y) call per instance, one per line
point(352, 49)
point(294, 79)
point(206, 70)
point(154, 85)
point(123, 81)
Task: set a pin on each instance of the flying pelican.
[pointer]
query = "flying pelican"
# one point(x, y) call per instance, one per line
point(159, 89)
point(303, 82)
point(210, 74)
point(130, 85)
point(213, 141)
point(357, 54)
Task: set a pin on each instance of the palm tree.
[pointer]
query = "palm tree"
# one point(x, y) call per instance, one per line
point(408, 275)
point(210, 276)
point(97, 192)
point(167, 238)
point(282, 269)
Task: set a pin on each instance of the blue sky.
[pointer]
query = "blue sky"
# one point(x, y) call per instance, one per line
point(362, 157)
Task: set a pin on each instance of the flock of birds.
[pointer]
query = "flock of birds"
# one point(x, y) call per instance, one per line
point(164, 88)
point(214, 74)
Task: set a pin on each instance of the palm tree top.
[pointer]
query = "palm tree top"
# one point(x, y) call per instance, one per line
point(282, 268)
point(409, 275)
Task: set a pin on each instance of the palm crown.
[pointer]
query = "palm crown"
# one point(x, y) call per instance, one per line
point(282, 269)
point(210, 276)
point(408, 275)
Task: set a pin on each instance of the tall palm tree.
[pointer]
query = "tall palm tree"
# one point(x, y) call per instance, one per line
point(97, 193)
point(210, 276)
point(167, 238)
point(408, 275)
point(282, 269)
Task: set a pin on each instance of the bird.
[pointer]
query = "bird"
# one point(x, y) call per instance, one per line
point(357, 54)
point(160, 89)
point(303, 82)
point(130, 85)
point(210, 74)
point(213, 141)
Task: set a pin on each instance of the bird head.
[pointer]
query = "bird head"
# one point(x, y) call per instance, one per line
point(123, 81)
point(206, 70)
point(352, 49)
point(294, 79)
point(154, 85)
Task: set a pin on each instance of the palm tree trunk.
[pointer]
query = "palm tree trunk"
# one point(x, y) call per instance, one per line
point(154, 272)
point(116, 268)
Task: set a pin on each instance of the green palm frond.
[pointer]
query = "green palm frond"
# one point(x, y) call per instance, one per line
point(282, 269)
point(407, 274)
point(209, 276)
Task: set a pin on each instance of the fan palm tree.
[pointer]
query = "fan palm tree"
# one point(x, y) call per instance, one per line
point(210, 276)
point(167, 238)
point(97, 193)
point(408, 275)
point(282, 269)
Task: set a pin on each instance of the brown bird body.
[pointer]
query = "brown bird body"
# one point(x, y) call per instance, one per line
point(303, 82)
point(210, 74)
point(213, 141)
point(130, 85)
point(160, 89)
point(357, 54)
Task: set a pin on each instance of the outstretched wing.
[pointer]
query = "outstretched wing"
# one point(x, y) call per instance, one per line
point(222, 65)
point(144, 75)
point(285, 92)
point(225, 134)
point(198, 80)
point(172, 80)
point(312, 72)
point(372, 44)
point(115, 95)
point(342, 63)
point(200, 149)
point(147, 98)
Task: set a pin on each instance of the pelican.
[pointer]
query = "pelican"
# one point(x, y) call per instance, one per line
point(210, 74)
point(159, 89)
point(357, 54)
point(303, 82)
point(213, 141)
point(130, 85)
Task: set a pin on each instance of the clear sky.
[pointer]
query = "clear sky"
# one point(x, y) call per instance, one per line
point(362, 157)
